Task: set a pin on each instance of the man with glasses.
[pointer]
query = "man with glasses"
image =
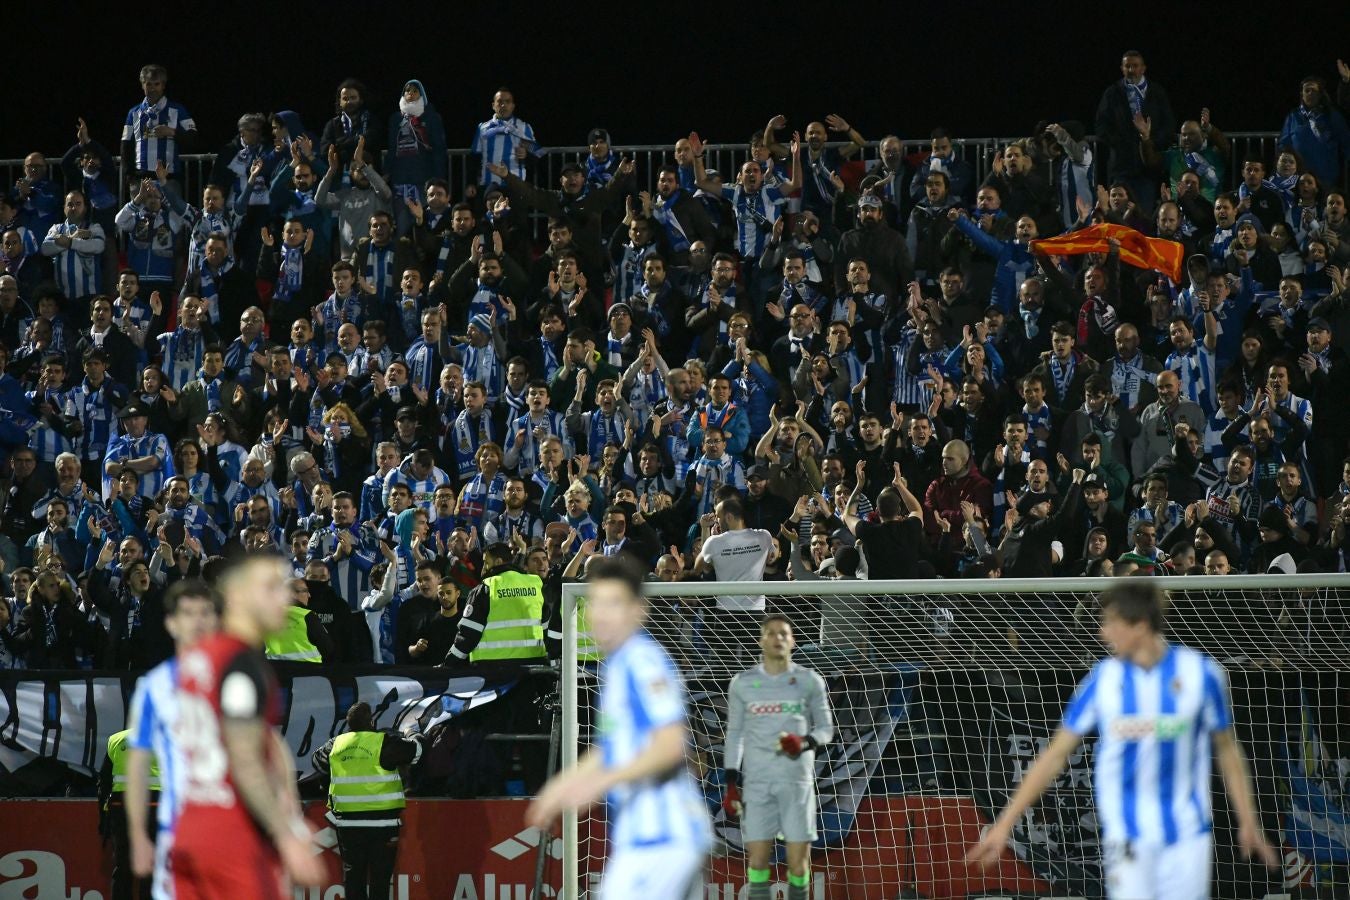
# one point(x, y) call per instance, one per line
point(247, 355)
point(306, 474)
point(802, 340)
point(715, 468)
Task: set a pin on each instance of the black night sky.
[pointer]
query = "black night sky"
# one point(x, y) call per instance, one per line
point(649, 73)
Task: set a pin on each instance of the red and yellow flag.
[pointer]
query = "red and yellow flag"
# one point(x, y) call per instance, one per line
point(1158, 254)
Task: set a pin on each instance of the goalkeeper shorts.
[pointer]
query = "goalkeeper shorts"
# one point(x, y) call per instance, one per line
point(785, 809)
point(1144, 872)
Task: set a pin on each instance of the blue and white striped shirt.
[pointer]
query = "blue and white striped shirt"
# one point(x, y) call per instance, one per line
point(201, 224)
point(96, 410)
point(712, 474)
point(640, 693)
point(44, 441)
point(1302, 409)
point(1196, 369)
point(349, 576)
point(525, 456)
point(755, 215)
point(907, 389)
point(124, 447)
point(1153, 756)
point(423, 490)
point(496, 141)
point(79, 267)
point(143, 119)
point(1215, 451)
point(182, 349)
point(151, 718)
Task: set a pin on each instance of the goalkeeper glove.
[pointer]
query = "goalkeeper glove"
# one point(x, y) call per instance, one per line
point(794, 744)
point(731, 800)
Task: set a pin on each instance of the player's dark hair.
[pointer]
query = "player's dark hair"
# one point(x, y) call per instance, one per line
point(1136, 601)
point(190, 587)
point(617, 568)
point(771, 618)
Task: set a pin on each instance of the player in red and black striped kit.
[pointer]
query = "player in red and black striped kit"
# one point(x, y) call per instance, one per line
point(240, 833)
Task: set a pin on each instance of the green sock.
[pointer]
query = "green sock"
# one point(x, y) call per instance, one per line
point(758, 880)
point(799, 886)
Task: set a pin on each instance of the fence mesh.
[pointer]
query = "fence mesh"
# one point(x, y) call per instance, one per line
point(942, 699)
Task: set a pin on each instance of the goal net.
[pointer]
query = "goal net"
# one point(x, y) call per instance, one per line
point(944, 692)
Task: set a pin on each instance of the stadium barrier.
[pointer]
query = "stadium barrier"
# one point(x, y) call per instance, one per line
point(725, 158)
point(944, 691)
point(481, 850)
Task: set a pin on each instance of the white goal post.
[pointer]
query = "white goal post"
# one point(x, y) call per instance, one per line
point(944, 690)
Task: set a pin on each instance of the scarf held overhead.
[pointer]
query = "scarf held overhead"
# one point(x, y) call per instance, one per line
point(1158, 254)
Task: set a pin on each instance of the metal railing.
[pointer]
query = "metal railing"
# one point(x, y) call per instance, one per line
point(725, 158)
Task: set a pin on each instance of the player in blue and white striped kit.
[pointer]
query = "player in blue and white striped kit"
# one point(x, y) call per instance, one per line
point(191, 612)
point(659, 832)
point(1157, 709)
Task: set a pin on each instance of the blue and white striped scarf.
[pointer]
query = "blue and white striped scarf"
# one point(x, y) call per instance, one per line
point(332, 454)
point(1038, 419)
point(1136, 93)
point(663, 211)
point(182, 356)
point(1062, 375)
point(379, 269)
point(290, 272)
point(1001, 486)
point(614, 348)
point(602, 429)
point(649, 389)
point(209, 288)
point(643, 301)
point(551, 361)
point(482, 364)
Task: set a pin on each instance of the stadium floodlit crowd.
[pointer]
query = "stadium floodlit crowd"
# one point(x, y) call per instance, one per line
point(822, 367)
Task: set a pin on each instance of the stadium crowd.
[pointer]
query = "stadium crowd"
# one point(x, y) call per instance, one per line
point(809, 367)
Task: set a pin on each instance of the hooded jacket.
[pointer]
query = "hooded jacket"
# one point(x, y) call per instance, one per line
point(416, 146)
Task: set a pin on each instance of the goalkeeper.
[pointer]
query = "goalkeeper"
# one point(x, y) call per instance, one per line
point(778, 715)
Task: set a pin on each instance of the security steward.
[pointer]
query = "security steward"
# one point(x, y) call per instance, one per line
point(304, 639)
point(365, 799)
point(112, 787)
point(504, 617)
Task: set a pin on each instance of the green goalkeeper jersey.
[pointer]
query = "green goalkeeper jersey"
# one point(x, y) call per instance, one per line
point(760, 707)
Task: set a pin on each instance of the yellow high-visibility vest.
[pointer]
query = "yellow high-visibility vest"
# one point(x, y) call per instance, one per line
point(118, 747)
point(515, 626)
point(359, 783)
point(292, 643)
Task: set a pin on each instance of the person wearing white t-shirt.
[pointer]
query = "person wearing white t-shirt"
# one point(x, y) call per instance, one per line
point(735, 553)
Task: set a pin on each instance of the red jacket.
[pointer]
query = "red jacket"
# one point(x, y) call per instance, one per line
point(944, 496)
